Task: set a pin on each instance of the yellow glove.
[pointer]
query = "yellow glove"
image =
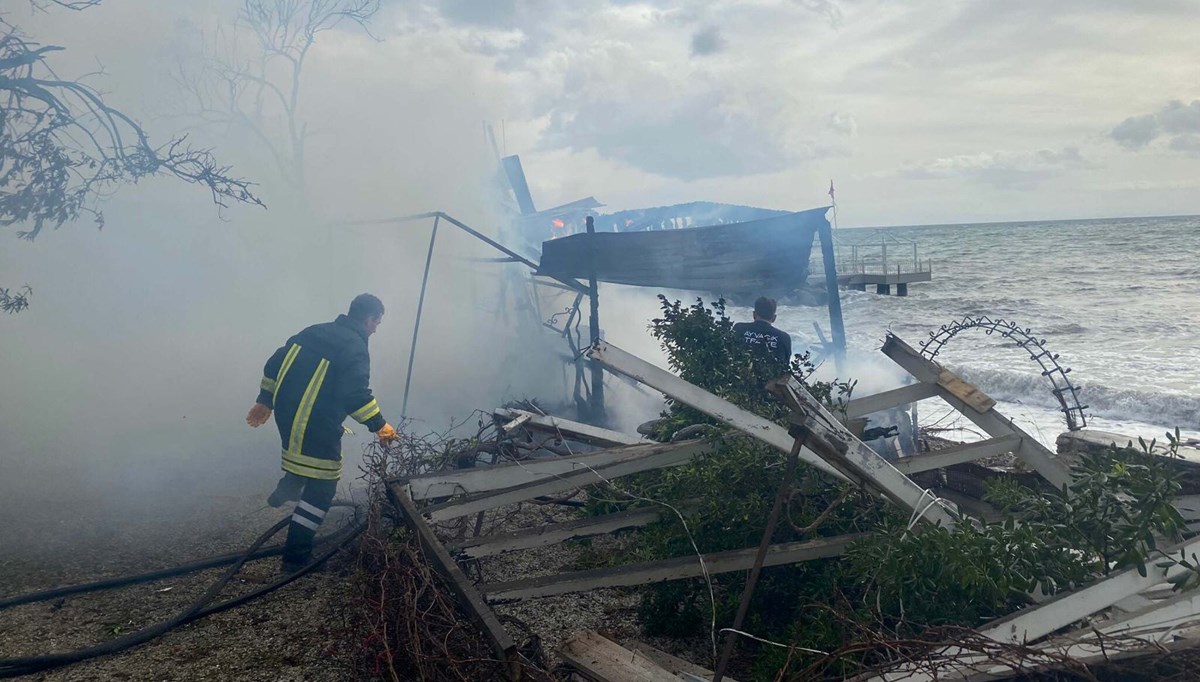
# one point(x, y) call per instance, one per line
point(387, 434)
point(258, 415)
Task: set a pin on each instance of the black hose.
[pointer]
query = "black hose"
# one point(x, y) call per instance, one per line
point(199, 608)
point(121, 581)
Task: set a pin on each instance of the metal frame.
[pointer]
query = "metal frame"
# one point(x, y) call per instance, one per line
point(1063, 389)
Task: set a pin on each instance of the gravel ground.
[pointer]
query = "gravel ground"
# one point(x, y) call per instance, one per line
point(290, 634)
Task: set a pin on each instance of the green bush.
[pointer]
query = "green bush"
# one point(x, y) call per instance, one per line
point(900, 580)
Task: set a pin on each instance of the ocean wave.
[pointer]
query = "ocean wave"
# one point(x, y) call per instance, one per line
point(1166, 409)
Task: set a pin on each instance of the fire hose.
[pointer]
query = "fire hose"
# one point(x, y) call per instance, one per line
point(201, 607)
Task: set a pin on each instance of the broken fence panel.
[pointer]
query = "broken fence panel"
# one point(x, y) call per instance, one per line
point(667, 569)
point(833, 441)
point(485, 478)
point(1153, 628)
point(646, 458)
point(1031, 624)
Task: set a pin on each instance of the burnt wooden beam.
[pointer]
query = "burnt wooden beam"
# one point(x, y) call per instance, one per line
point(468, 597)
point(667, 569)
point(500, 543)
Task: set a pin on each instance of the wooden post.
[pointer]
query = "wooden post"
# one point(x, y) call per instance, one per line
point(781, 496)
point(596, 407)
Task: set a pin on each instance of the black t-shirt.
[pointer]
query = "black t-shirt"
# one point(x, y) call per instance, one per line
point(761, 334)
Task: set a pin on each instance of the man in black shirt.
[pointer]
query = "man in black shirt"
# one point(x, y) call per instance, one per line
point(762, 334)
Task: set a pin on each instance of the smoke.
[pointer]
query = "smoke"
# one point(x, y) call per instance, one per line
point(130, 376)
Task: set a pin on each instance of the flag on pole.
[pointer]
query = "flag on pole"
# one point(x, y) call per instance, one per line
point(831, 198)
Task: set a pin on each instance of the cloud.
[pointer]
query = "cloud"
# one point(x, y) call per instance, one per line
point(1179, 120)
point(826, 8)
point(707, 41)
point(1188, 144)
point(1005, 169)
point(842, 123)
point(1136, 132)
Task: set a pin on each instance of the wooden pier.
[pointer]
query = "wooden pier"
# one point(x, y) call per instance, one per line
point(884, 281)
point(864, 261)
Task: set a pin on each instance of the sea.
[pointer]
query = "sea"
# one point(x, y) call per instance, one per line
point(1117, 299)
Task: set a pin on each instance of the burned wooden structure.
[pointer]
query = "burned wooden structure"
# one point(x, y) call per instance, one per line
point(1127, 603)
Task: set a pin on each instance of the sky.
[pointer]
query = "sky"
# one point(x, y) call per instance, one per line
point(145, 340)
point(919, 111)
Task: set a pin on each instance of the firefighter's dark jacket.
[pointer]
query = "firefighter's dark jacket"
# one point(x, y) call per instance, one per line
point(317, 379)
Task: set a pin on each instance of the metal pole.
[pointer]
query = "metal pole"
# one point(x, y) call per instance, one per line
point(597, 406)
point(412, 351)
point(760, 556)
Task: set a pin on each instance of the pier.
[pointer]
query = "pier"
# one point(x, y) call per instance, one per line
point(921, 271)
point(868, 264)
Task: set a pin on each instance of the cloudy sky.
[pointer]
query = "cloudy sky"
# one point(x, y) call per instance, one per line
point(920, 111)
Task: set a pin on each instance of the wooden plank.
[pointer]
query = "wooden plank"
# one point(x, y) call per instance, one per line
point(484, 478)
point(667, 569)
point(468, 597)
point(992, 422)
point(967, 452)
point(674, 664)
point(860, 407)
point(490, 545)
point(967, 392)
point(724, 411)
point(649, 458)
point(600, 659)
point(1031, 624)
point(833, 441)
point(571, 430)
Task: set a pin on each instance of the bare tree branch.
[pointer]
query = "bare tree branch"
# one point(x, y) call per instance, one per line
point(222, 89)
point(63, 148)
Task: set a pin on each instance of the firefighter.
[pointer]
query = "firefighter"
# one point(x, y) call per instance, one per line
point(312, 383)
point(762, 333)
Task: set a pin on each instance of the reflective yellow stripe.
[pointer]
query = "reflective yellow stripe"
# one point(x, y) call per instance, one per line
point(304, 411)
point(268, 385)
point(312, 467)
point(283, 369)
point(362, 414)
